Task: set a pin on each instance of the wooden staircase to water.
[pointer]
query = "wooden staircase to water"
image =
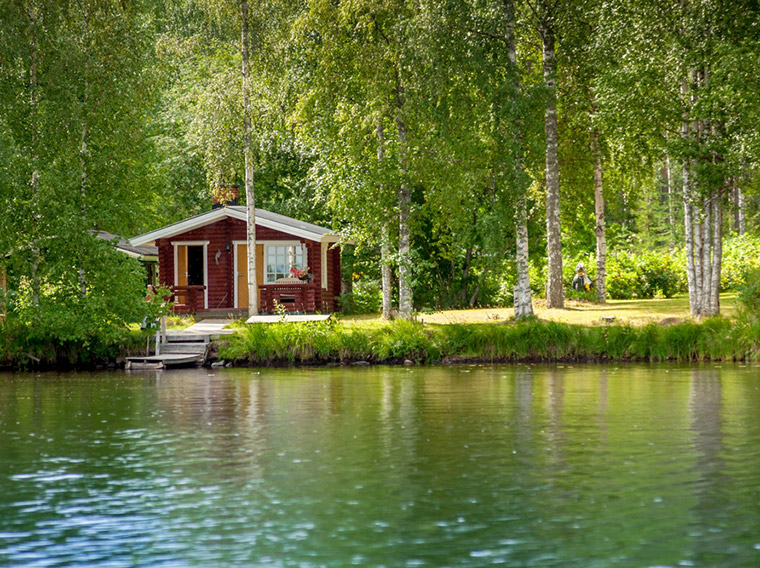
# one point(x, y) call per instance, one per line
point(181, 349)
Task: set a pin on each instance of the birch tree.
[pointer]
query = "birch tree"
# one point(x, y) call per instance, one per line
point(250, 196)
point(546, 15)
point(75, 87)
point(360, 80)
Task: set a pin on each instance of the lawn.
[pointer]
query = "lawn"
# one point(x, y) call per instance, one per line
point(633, 312)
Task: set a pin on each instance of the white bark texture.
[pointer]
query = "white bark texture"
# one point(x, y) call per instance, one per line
point(405, 207)
point(385, 253)
point(671, 208)
point(385, 249)
point(522, 296)
point(555, 293)
point(35, 181)
point(717, 217)
point(250, 196)
point(599, 230)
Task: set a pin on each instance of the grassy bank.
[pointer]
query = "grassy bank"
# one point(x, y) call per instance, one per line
point(636, 312)
point(22, 347)
point(717, 339)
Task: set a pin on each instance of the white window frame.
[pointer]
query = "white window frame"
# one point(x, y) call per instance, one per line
point(237, 262)
point(268, 244)
point(204, 244)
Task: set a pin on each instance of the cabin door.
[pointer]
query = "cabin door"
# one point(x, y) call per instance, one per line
point(191, 269)
point(190, 265)
point(241, 273)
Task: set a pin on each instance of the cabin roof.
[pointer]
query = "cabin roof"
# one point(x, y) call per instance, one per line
point(126, 247)
point(264, 218)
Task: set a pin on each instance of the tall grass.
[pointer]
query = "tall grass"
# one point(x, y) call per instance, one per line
point(531, 340)
point(23, 347)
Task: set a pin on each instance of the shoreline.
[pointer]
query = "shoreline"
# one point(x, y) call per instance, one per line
point(410, 343)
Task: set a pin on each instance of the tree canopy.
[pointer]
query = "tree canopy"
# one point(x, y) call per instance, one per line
point(473, 150)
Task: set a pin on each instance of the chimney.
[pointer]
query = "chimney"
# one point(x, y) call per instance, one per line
point(224, 195)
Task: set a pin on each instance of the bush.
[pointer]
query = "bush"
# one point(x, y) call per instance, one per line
point(643, 275)
point(748, 295)
point(367, 298)
point(741, 257)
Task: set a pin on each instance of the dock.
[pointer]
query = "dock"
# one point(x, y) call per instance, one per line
point(185, 350)
point(288, 318)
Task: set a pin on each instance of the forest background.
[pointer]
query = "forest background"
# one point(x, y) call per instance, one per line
point(473, 150)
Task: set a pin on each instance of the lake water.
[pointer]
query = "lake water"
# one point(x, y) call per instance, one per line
point(584, 466)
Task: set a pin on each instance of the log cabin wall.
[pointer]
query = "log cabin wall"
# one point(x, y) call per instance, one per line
point(333, 280)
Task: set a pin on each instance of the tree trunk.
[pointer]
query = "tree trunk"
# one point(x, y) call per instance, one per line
point(671, 208)
point(250, 196)
point(83, 156)
point(385, 260)
point(717, 260)
point(522, 298)
point(741, 209)
point(405, 206)
point(599, 230)
point(385, 240)
point(692, 233)
point(706, 255)
point(555, 294)
point(35, 180)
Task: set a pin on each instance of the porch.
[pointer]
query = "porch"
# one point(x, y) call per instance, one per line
point(298, 297)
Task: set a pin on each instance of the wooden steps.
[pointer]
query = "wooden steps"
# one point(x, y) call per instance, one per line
point(180, 350)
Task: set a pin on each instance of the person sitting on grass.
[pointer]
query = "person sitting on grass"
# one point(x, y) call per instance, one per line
point(581, 282)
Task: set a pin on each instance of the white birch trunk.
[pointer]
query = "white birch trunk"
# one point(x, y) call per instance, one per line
point(405, 206)
point(385, 253)
point(717, 260)
point(522, 296)
point(688, 217)
point(385, 249)
point(35, 181)
point(83, 155)
point(671, 208)
point(706, 255)
point(555, 294)
point(742, 211)
point(599, 230)
point(698, 256)
point(250, 197)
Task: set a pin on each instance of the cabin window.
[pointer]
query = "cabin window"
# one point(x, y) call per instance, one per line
point(280, 258)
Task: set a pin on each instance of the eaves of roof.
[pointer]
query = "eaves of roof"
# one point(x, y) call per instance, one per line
point(264, 218)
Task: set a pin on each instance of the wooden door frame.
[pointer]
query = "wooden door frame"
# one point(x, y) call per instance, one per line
point(259, 269)
point(204, 244)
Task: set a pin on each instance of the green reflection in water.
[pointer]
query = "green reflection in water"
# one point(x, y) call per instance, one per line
point(464, 466)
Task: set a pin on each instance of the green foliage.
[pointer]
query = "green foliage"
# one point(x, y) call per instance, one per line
point(642, 275)
point(741, 259)
point(748, 295)
point(23, 346)
point(405, 340)
point(526, 340)
point(366, 298)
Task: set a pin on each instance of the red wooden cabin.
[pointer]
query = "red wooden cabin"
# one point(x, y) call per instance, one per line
point(204, 260)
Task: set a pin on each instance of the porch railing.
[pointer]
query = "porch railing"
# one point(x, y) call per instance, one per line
point(188, 299)
point(293, 297)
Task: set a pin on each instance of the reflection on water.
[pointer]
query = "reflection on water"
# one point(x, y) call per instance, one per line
point(462, 466)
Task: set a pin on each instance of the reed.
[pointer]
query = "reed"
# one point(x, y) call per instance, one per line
point(532, 340)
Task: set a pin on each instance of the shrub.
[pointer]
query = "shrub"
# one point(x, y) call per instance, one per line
point(366, 298)
point(643, 275)
point(741, 258)
point(748, 295)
